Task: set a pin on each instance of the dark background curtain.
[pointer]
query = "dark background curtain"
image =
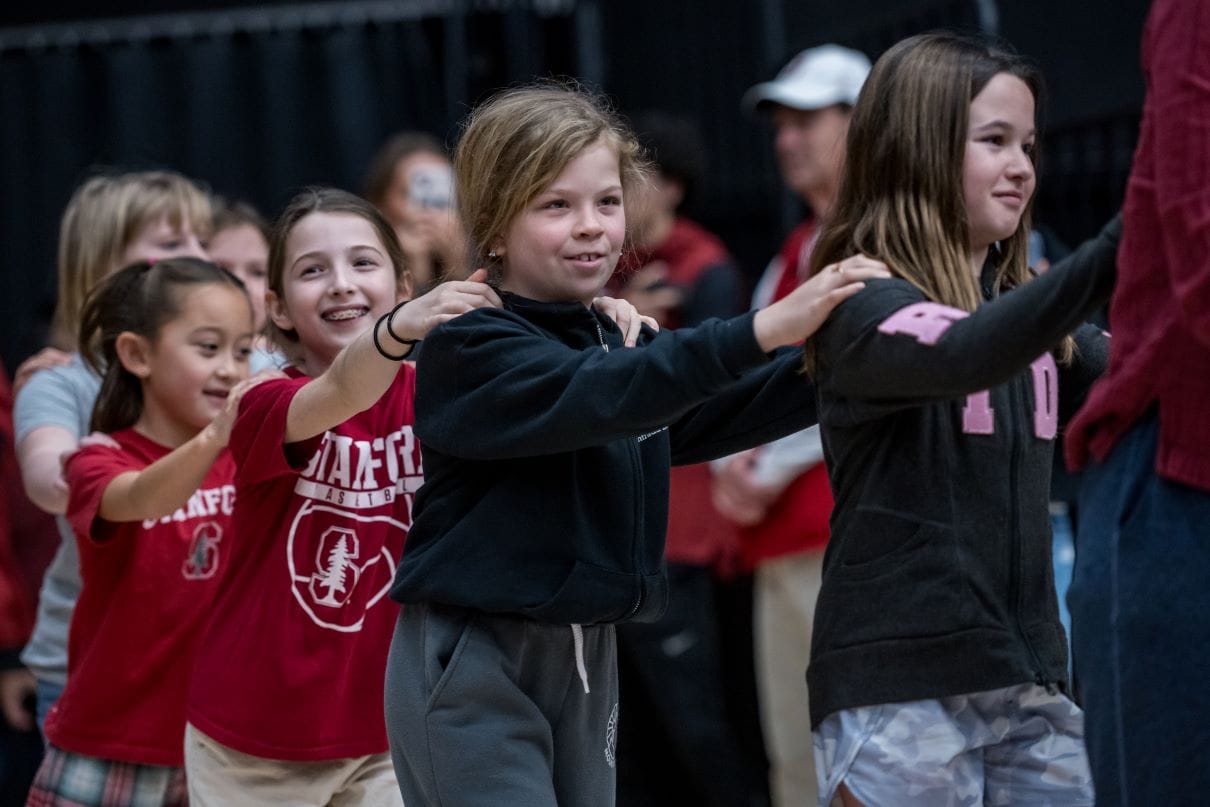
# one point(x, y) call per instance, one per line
point(258, 100)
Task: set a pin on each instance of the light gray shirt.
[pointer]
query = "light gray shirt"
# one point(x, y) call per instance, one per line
point(62, 397)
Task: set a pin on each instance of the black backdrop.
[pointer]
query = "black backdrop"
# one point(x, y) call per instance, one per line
point(257, 100)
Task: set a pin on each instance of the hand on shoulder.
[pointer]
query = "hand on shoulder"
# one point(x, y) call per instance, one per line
point(800, 314)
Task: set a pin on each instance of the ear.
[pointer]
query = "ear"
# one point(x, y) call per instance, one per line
point(403, 289)
point(134, 353)
point(275, 308)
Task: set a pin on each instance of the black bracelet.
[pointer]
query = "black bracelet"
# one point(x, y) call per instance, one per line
point(391, 330)
point(378, 344)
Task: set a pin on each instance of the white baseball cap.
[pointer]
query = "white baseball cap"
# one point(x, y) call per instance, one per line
point(814, 79)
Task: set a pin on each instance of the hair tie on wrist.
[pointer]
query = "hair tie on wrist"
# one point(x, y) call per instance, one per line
point(391, 318)
point(378, 344)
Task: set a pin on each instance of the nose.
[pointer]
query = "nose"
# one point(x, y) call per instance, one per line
point(1021, 166)
point(227, 368)
point(193, 249)
point(588, 223)
point(340, 280)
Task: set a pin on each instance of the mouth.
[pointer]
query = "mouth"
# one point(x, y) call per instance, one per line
point(1014, 198)
point(586, 260)
point(218, 396)
point(344, 313)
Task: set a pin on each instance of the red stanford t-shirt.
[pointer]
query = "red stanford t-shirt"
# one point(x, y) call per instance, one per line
point(294, 657)
point(148, 589)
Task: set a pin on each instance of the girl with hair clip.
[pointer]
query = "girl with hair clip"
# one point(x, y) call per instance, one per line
point(151, 510)
point(112, 220)
point(547, 450)
point(938, 663)
point(287, 693)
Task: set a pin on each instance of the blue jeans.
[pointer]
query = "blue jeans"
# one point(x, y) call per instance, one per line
point(47, 693)
point(1140, 603)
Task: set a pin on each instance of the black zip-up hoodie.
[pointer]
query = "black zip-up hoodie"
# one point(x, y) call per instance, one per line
point(938, 578)
point(547, 447)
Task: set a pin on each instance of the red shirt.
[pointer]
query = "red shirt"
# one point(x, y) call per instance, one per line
point(798, 520)
point(1160, 313)
point(294, 658)
point(148, 587)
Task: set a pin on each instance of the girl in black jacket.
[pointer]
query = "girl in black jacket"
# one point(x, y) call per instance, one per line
point(938, 663)
point(546, 449)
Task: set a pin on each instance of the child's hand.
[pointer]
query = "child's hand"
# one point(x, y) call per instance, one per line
point(44, 359)
point(799, 314)
point(627, 317)
point(219, 430)
point(450, 299)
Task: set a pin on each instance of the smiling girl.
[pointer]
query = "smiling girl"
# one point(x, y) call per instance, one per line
point(938, 664)
point(151, 511)
point(286, 700)
point(547, 450)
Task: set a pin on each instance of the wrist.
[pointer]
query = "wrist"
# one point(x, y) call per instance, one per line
point(384, 324)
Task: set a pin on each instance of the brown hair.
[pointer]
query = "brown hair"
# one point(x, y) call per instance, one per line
point(395, 150)
point(518, 141)
point(901, 199)
point(232, 213)
point(104, 215)
point(323, 200)
point(138, 299)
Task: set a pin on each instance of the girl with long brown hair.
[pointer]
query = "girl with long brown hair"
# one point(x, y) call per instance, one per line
point(938, 664)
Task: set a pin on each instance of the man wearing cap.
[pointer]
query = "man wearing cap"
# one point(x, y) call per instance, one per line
point(779, 493)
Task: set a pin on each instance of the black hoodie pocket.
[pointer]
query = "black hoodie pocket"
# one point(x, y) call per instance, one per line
point(589, 595)
point(875, 541)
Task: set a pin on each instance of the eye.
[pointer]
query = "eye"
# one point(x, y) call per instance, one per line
point(310, 269)
point(612, 200)
point(555, 204)
point(258, 272)
point(1028, 148)
point(171, 244)
point(208, 348)
point(242, 353)
point(365, 262)
point(994, 139)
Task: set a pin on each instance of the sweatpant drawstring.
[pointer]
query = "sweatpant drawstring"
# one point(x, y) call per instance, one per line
point(577, 636)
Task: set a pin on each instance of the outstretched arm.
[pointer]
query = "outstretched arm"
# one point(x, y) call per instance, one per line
point(166, 484)
point(360, 374)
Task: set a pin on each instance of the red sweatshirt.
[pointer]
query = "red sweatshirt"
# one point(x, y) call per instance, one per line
point(1160, 313)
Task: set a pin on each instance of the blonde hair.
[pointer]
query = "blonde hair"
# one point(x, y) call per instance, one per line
point(518, 142)
point(104, 216)
point(901, 191)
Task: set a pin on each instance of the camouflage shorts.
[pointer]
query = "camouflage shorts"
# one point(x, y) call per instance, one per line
point(1015, 746)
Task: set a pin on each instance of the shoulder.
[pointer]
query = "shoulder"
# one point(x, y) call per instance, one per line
point(482, 328)
point(131, 452)
point(74, 379)
point(880, 297)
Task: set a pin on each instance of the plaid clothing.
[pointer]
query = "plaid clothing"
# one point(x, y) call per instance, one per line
point(73, 780)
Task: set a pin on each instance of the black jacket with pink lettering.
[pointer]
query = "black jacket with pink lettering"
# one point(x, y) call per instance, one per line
point(938, 429)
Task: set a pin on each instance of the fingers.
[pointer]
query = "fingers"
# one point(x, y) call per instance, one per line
point(634, 326)
point(650, 322)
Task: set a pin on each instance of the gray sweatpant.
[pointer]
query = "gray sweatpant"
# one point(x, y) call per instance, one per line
point(487, 709)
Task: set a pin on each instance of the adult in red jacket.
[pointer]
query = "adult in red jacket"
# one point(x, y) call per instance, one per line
point(1139, 600)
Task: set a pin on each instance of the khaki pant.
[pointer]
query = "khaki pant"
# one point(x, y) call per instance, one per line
point(219, 776)
point(785, 592)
